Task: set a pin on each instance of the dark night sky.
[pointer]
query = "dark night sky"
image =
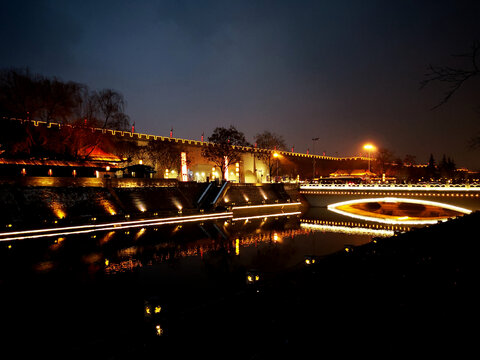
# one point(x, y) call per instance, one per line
point(344, 71)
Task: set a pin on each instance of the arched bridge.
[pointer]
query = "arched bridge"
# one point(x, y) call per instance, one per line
point(394, 203)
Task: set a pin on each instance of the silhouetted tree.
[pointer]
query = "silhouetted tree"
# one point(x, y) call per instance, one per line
point(19, 93)
point(447, 167)
point(162, 156)
point(270, 141)
point(410, 160)
point(109, 109)
point(383, 159)
point(58, 100)
point(31, 96)
point(431, 170)
point(226, 148)
point(454, 77)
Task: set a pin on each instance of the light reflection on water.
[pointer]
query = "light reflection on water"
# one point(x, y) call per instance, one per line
point(181, 265)
point(317, 232)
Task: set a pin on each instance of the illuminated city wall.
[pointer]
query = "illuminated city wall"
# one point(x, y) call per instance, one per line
point(287, 165)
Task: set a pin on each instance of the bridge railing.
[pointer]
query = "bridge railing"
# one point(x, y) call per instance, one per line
point(416, 187)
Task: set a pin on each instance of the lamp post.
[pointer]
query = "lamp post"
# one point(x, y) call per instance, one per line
point(369, 148)
point(313, 153)
point(275, 155)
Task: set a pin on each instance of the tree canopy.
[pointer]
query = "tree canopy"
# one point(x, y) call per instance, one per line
point(226, 147)
point(270, 141)
point(29, 96)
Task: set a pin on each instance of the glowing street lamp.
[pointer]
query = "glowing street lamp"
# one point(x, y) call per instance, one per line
point(369, 148)
point(276, 155)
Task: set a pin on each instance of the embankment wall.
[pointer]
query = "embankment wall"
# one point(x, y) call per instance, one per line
point(31, 201)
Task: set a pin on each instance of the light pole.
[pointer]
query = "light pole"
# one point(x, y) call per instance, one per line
point(313, 153)
point(275, 155)
point(369, 148)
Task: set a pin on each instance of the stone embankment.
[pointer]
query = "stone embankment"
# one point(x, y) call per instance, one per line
point(31, 201)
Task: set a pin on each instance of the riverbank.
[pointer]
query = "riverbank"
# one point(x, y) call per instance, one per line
point(32, 202)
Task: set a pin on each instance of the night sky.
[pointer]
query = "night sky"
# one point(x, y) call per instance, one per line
point(347, 72)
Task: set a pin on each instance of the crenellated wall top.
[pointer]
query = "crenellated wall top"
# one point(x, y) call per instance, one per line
point(151, 137)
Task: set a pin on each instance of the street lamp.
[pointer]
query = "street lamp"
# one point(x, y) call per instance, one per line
point(276, 155)
point(369, 148)
point(313, 153)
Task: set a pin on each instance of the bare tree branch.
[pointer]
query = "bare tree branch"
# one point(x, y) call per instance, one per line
point(453, 77)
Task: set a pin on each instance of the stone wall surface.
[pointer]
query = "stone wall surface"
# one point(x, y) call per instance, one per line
point(69, 201)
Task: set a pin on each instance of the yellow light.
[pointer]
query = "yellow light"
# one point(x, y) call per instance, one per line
point(266, 205)
point(249, 278)
point(147, 310)
point(157, 309)
point(335, 208)
point(368, 147)
point(275, 155)
point(28, 234)
point(57, 209)
point(237, 247)
point(257, 277)
point(267, 216)
point(159, 330)
point(107, 262)
point(108, 207)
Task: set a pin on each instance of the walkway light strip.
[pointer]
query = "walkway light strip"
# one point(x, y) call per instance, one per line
point(264, 206)
point(266, 216)
point(333, 207)
point(84, 229)
point(113, 226)
point(349, 230)
point(118, 224)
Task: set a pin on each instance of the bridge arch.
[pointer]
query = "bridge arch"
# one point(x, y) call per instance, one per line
point(465, 197)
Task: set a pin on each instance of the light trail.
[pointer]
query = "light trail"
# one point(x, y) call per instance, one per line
point(83, 229)
point(266, 216)
point(264, 205)
point(86, 229)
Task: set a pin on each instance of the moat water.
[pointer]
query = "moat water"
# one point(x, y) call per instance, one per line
point(85, 292)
